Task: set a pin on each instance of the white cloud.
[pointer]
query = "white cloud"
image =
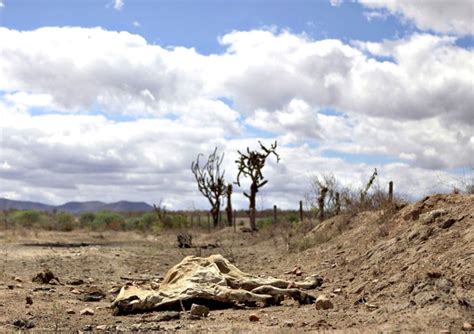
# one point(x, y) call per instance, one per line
point(374, 14)
point(455, 17)
point(136, 24)
point(118, 4)
point(335, 3)
point(409, 99)
point(2, 4)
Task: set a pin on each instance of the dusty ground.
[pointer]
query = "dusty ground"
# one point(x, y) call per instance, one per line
point(408, 270)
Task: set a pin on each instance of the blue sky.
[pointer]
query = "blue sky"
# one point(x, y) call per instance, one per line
point(344, 86)
point(198, 24)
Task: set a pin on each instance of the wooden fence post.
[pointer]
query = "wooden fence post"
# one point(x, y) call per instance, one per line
point(301, 211)
point(234, 220)
point(338, 204)
point(274, 215)
point(390, 191)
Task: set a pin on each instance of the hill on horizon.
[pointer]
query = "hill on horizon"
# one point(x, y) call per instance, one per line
point(76, 207)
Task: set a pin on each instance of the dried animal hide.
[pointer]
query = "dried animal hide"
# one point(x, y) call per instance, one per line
point(213, 281)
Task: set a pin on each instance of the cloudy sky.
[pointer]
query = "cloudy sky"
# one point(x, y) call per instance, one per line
point(111, 100)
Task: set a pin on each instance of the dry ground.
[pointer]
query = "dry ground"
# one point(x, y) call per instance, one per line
point(408, 270)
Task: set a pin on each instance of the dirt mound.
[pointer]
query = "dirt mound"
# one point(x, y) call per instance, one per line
point(415, 263)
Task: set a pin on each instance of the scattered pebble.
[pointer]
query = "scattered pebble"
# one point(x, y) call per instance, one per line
point(22, 323)
point(29, 300)
point(199, 310)
point(254, 317)
point(289, 323)
point(87, 311)
point(323, 303)
point(466, 326)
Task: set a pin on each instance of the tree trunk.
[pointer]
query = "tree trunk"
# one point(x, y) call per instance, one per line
point(215, 214)
point(253, 195)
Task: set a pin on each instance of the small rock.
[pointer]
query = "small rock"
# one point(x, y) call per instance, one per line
point(199, 310)
point(11, 286)
point(70, 311)
point(87, 311)
point(445, 331)
point(337, 291)
point(298, 273)
point(54, 281)
point(433, 274)
point(135, 327)
point(289, 323)
point(93, 294)
point(75, 291)
point(466, 326)
point(19, 286)
point(18, 279)
point(45, 277)
point(22, 323)
point(167, 316)
point(88, 328)
point(29, 300)
point(323, 303)
point(254, 317)
point(101, 327)
point(76, 281)
point(447, 223)
point(429, 217)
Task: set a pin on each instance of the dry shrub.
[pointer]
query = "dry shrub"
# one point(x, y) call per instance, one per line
point(320, 234)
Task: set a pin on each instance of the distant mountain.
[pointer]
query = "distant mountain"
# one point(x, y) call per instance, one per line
point(6, 204)
point(125, 206)
point(77, 207)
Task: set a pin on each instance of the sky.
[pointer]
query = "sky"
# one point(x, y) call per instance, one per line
point(113, 100)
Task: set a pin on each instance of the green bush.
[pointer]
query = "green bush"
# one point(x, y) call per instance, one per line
point(264, 222)
point(65, 222)
point(86, 219)
point(107, 220)
point(26, 218)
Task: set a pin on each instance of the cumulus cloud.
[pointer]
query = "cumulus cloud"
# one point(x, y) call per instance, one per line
point(452, 17)
point(63, 92)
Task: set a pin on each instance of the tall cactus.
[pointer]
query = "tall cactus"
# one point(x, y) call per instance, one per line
point(250, 165)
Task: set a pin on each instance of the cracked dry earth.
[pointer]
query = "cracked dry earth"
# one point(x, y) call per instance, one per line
point(405, 270)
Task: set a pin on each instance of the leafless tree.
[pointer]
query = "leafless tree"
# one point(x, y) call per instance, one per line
point(250, 165)
point(210, 181)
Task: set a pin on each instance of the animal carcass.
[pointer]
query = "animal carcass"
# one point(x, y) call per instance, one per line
point(212, 281)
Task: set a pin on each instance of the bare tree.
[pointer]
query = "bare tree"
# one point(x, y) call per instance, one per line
point(251, 165)
point(210, 181)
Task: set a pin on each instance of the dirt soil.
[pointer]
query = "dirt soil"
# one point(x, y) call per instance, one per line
point(400, 270)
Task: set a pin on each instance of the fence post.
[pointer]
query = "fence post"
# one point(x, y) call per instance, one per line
point(301, 211)
point(390, 191)
point(274, 215)
point(338, 204)
point(234, 220)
